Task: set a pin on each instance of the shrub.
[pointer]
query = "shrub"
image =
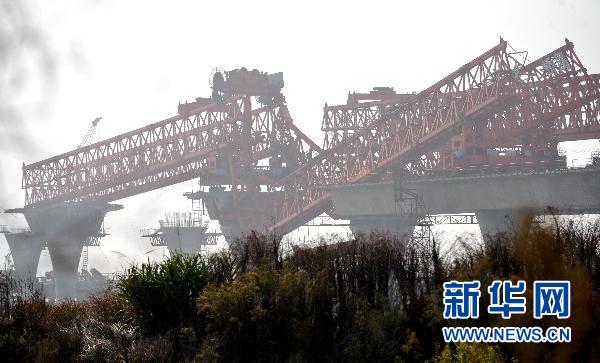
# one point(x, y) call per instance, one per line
point(263, 315)
point(469, 352)
point(371, 299)
point(163, 295)
point(339, 310)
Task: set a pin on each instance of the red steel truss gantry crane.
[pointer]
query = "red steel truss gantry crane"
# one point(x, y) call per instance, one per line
point(244, 136)
point(493, 93)
point(167, 152)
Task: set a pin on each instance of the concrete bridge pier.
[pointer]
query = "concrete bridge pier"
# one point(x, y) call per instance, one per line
point(25, 249)
point(494, 221)
point(238, 214)
point(234, 235)
point(185, 240)
point(65, 254)
point(65, 227)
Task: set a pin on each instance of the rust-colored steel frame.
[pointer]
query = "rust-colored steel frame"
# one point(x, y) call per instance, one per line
point(340, 122)
point(273, 133)
point(168, 152)
point(275, 128)
point(493, 99)
point(483, 83)
point(135, 160)
point(579, 124)
point(480, 90)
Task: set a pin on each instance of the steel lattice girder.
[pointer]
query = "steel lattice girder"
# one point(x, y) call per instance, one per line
point(566, 110)
point(544, 106)
point(276, 127)
point(579, 124)
point(341, 122)
point(154, 149)
point(553, 92)
point(380, 142)
point(483, 88)
point(161, 154)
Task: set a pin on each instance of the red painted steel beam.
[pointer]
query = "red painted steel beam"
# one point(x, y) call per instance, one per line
point(275, 127)
point(541, 108)
point(569, 112)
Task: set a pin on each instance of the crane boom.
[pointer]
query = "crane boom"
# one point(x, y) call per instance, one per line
point(87, 139)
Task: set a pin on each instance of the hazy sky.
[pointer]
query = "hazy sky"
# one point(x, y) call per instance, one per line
point(132, 62)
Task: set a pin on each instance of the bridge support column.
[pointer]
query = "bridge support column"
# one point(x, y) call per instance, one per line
point(237, 214)
point(402, 228)
point(185, 240)
point(25, 250)
point(65, 227)
point(494, 221)
point(65, 255)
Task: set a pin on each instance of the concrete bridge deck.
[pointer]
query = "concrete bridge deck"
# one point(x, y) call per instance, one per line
point(491, 197)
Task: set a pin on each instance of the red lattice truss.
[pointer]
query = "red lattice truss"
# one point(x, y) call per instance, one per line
point(554, 91)
point(492, 100)
point(162, 154)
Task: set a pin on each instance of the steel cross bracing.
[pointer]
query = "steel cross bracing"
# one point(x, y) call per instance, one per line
point(324, 220)
point(274, 130)
point(569, 111)
point(543, 91)
point(552, 86)
point(342, 121)
point(273, 135)
point(579, 123)
point(157, 238)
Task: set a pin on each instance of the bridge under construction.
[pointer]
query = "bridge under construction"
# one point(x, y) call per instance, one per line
point(483, 140)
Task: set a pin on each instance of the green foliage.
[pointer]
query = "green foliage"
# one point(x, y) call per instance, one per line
point(264, 315)
point(380, 289)
point(327, 303)
point(163, 295)
point(221, 267)
point(469, 352)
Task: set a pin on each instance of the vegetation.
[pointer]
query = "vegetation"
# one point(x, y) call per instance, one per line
point(374, 298)
point(163, 296)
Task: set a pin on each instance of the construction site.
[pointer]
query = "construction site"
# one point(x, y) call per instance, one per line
point(476, 147)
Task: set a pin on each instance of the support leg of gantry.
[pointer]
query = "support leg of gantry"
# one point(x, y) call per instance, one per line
point(401, 228)
point(25, 249)
point(494, 221)
point(65, 227)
